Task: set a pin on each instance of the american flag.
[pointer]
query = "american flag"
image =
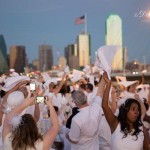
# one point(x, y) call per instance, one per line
point(80, 20)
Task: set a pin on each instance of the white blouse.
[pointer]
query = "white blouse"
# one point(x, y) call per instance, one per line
point(7, 144)
point(128, 143)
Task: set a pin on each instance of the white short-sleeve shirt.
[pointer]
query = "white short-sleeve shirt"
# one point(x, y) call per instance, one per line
point(84, 128)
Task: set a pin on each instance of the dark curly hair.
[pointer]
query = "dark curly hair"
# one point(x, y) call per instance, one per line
point(26, 135)
point(122, 118)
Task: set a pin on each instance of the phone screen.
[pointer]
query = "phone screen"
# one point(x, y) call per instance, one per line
point(40, 99)
point(32, 86)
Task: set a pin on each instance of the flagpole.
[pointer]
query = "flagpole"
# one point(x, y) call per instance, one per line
point(85, 24)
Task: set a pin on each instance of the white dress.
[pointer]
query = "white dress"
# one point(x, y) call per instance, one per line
point(128, 143)
point(7, 144)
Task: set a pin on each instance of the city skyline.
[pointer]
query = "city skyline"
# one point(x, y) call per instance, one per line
point(36, 22)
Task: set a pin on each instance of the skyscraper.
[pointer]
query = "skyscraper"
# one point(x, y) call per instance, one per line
point(69, 51)
point(114, 37)
point(83, 49)
point(3, 55)
point(17, 58)
point(45, 57)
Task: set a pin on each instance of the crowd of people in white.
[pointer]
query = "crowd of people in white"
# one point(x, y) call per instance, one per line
point(73, 115)
point(82, 112)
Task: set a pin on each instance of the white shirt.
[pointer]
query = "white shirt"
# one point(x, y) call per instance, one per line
point(90, 97)
point(84, 128)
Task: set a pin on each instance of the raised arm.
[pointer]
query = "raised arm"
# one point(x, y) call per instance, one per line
point(110, 117)
point(60, 85)
point(101, 87)
point(40, 92)
point(113, 103)
point(50, 136)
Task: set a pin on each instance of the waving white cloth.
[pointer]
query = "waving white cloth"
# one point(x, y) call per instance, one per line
point(105, 55)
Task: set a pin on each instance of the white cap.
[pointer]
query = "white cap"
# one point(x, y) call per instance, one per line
point(13, 81)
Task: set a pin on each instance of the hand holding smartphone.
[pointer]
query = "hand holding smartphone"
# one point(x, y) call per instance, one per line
point(40, 99)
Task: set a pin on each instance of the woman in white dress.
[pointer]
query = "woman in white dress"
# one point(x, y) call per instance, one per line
point(128, 132)
point(21, 132)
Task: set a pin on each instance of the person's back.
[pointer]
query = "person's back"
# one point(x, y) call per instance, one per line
point(88, 120)
point(85, 125)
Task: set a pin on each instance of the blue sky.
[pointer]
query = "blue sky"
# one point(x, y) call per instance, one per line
point(35, 22)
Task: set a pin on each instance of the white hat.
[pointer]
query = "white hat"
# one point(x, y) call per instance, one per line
point(15, 99)
point(13, 81)
point(105, 56)
point(127, 83)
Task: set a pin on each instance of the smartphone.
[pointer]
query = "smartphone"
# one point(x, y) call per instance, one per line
point(40, 99)
point(32, 86)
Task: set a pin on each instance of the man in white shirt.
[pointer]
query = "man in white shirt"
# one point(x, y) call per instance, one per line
point(83, 134)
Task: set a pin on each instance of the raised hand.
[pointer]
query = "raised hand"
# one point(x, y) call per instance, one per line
point(105, 77)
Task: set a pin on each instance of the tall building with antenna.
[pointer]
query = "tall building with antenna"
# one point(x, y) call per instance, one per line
point(113, 35)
